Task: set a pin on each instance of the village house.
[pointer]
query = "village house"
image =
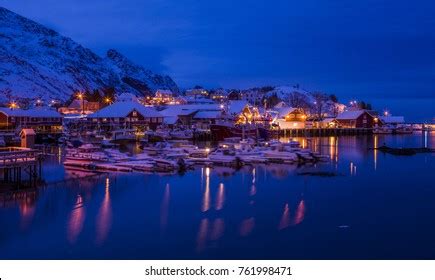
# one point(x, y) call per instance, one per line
point(219, 95)
point(289, 118)
point(125, 114)
point(357, 119)
point(197, 92)
point(80, 106)
point(41, 120)
point(163, 96)
point(190, 114)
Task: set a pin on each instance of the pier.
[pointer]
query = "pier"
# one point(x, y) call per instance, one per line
point(319, 132)
point(20, 166)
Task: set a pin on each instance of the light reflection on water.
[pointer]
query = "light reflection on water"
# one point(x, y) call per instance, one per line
point(267, 211)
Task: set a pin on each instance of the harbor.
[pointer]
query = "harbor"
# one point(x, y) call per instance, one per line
point(209, 209)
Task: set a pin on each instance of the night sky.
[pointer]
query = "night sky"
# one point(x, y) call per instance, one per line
point(380, 51)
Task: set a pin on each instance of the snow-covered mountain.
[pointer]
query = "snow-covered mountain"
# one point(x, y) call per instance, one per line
point(36, 61)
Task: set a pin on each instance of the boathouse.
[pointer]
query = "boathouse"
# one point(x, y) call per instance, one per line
point(289, 118)
point(80, 106)
point(356, 119)
point(125, 114)
point(42, 120)
point(190, 114)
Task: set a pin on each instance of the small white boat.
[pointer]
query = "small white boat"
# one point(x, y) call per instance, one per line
point(123, 135)
point(383, 130)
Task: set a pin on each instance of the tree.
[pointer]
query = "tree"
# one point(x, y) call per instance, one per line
point(298, 100)
point(271, 101)
point(234, 94)
point(320, 100)
point(333, 98)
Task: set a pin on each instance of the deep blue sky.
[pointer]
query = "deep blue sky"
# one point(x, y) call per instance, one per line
point(376, 50)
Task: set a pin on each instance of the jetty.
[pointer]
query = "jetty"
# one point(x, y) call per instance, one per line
point(20, 166)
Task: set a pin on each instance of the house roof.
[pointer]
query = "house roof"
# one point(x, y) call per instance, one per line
point(187, 109)
point(236, 106)
point(392, 119)
point(123, 108)
point(284, 111)
point(27, 131)
point(350, 115)
point(35, 112)
point(207, 115)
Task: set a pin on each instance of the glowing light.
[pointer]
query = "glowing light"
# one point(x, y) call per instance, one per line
point(13, 105)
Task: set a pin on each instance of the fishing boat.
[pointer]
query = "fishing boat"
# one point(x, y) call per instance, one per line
point(383, 130)
point(227, 130)
point(123, 136)
point(403, 130)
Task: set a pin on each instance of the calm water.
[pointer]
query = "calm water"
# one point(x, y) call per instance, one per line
point(380, 206)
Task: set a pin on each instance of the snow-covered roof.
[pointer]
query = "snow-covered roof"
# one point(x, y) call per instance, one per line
point(27, 131)
point(35, 112)
point(187, 109)
point(236, 106)
point(207, 115)
point(350, 115)
point(122, 109)
point(392, 119)
point(284, 111)
point(280, 104)
point(198, 100)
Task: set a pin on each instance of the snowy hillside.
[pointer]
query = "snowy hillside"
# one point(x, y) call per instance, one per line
point(36, 61)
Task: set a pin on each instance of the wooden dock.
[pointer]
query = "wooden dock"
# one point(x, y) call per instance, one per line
point(319, 132)
point(20, 166)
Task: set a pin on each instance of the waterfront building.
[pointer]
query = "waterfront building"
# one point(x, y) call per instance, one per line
point(125, 114)
point(289, 118)
point(357, 119)
point(42, 120)
point(80, 106)
point(190, 114)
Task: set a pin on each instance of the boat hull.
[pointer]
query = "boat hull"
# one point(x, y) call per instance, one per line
point(220, 132)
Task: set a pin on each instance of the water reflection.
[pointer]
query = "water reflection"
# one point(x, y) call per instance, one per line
point(375, 151)
point(104, 217)
point(76, 220)
point(218, 229)
point(27, 201)
point(285, 218)
point(247, 226)
point(164, 209)
point(300, 213)
point(220, 197)
point(288, 220)
point(202, 235)
point(206, 195)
